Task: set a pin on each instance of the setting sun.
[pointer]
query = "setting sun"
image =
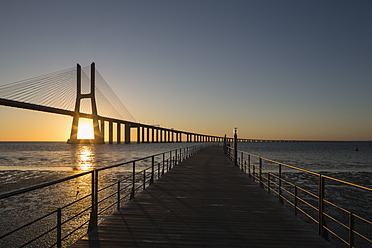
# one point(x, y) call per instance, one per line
point(85, 129)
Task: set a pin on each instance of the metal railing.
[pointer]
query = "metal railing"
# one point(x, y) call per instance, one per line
point(78, 216)
point(343, 223)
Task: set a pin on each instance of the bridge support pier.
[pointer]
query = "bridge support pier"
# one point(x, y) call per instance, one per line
point(102, 122)
point(127, 133)
point(111, 140)
point(118, 133)
point(138, 134)
point(98, 138)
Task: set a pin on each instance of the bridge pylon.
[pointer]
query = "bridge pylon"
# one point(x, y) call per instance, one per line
point(98, 136)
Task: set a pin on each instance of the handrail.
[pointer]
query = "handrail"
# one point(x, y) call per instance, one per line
point(348, 183)
point(244, 162)
point(167, 161)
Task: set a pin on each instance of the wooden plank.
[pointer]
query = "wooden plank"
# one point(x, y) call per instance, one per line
point(203, 202)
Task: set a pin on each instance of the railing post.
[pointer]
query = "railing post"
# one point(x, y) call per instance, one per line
point(144, 179)
point(225, 144)
point(158, 170)
point(152, 170)
point(351, 230)
point(133, 180)
point(96, 197)
point(253, 172)
point(92, 190)
point(235, 149)
point(249, 165)
point(94, 214)
point(295, 199)
point(176, 158)
point(280, 185)
point(320, 205)
point(268, 182)
point(261, 184)
point(118, 205)
point(173, 161)
point(162, 173)
point(59, 228)
point(242, 161)
point(170, 161)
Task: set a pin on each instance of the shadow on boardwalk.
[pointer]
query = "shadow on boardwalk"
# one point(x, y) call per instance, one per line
point(203, 202)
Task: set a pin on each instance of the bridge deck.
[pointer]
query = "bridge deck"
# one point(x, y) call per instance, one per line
point(203, 202)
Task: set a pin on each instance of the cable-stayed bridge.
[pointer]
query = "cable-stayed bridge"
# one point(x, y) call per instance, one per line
point(83, 93)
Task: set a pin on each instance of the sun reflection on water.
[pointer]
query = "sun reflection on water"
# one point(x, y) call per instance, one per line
point(85, 158)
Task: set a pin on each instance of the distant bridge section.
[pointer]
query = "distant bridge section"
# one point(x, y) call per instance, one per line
point(145, 133)
point(66, 93)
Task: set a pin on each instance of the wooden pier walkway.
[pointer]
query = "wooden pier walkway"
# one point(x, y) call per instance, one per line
point(203, 202)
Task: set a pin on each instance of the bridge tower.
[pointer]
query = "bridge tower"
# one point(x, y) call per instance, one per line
point(98, 137)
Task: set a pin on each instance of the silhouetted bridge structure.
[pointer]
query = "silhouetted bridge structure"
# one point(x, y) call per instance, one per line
point(16, 95)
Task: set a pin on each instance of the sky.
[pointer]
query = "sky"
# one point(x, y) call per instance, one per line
point(274, 69)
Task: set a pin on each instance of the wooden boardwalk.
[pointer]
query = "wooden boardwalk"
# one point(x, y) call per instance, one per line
point(203, 202)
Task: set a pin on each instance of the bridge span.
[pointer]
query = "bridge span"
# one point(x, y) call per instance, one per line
point(144, 132)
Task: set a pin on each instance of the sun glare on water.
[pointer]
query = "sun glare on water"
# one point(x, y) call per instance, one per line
point(85, 129)
point(85, 158)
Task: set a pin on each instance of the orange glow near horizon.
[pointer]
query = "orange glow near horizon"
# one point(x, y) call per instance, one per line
point(25, 125)
point(85, 129)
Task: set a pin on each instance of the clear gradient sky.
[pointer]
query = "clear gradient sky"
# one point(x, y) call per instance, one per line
point(274, 69)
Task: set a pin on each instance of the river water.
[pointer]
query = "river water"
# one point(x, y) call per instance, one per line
point(23, 164)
